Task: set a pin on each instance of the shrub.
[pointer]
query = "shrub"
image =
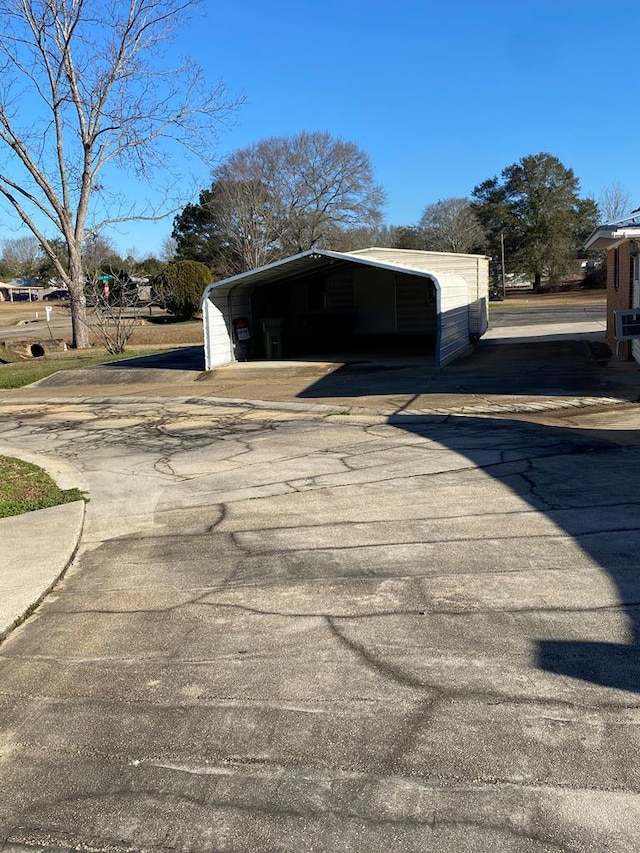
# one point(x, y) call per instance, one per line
point(595, 278)
point(180, 286)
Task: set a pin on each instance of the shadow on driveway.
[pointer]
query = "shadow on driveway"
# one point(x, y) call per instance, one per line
point(183, 358)
point(588, 486)
point(558, 368)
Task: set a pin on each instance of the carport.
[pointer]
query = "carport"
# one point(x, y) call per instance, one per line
point(331, 303)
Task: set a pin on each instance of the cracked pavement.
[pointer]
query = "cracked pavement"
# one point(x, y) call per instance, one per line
point(298, 631)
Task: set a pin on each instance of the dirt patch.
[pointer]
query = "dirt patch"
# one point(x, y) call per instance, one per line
point(167, 334)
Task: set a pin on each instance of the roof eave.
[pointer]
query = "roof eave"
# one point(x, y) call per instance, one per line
point(607, 237)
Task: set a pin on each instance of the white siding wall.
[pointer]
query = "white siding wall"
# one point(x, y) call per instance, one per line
point(217, 341)
point(479, 298)
point(218, 313)
point(466, 265)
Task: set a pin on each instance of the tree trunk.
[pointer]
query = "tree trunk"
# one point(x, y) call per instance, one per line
point(78, 300)
point(537, 283)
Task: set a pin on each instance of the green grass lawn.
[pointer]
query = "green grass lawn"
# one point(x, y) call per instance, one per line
point(17, 374)
point(25, 487)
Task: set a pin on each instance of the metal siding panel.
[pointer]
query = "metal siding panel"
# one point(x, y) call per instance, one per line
point(206, 328)
point(473, 268)
point(454, 318)
point(423, 261)
point(454, 292)
point(472, 298)
point(478, 317)
point(454, 335)
point(225, 306)
point(483, 292)
point(341, 291)
point(240, 306)
point(479, 299)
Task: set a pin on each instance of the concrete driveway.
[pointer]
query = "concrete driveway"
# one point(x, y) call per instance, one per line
point(291, 629)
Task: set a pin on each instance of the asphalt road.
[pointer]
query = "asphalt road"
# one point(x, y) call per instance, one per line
point(536, 313)
point(58, 327)
point(288, 631)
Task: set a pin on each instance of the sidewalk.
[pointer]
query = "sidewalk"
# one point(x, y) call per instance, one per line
point(37, 547)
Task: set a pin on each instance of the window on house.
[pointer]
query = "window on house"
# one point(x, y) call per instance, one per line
point(635, 276)
point(616, 268)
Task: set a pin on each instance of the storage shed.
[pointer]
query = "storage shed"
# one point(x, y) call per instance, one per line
point(333, 303)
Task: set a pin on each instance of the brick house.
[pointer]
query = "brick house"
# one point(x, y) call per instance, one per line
point(621, 241)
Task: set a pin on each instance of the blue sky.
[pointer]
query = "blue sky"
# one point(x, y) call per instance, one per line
point(440, 95)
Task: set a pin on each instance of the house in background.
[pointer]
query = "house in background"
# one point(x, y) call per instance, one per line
point(621, 241)
point(321, 303)
point(17, 291)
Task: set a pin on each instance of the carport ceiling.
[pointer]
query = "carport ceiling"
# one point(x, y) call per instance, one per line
point(295, 269)
point(290, 268)
point(313, 260)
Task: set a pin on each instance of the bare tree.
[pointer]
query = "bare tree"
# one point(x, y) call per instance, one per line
point(285, 194)
point(325, 183)
point(168, 250)
point(85, 92)
point(244, 209)
point(407, 237)
point(99, 255)
point(450, 225)
point(114, 308)
point(614, 202)
point(22, 256)
point(352, 239)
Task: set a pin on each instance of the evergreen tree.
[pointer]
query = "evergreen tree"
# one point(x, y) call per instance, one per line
point(536, 205)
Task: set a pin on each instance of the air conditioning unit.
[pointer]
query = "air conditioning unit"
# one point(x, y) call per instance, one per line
point(627, 324)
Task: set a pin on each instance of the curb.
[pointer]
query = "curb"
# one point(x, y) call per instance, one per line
point(486, 407)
